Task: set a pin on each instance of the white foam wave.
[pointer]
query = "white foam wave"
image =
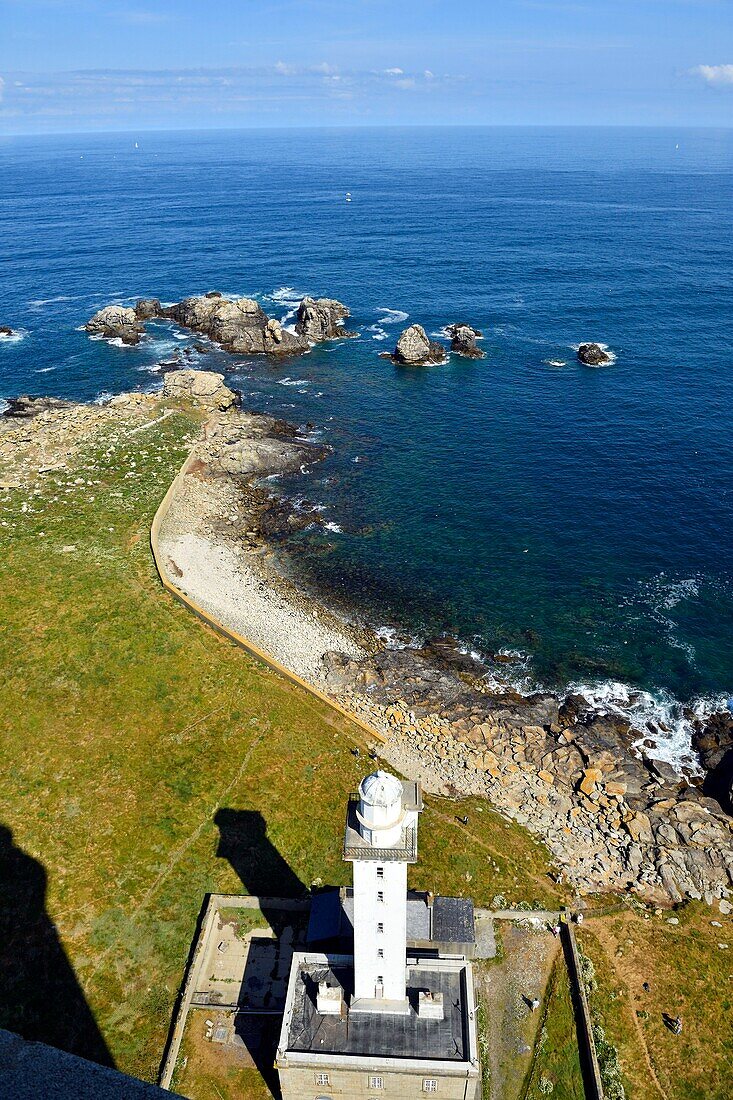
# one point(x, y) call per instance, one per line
point(43, 370)
point(4, 406)
point(39, 303)
point(378, 333)
point(396, 639)
point(103, 398)
point(392, 316)
point(333, 527)
point(287, 295)
point(656, 717)
point(294, 382)
point(555, 362)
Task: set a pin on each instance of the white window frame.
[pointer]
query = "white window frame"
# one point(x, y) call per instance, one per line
point(323, 1080)
point(376, 1083)
point(429, 1084)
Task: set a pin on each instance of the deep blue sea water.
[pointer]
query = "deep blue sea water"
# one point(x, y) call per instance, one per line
point(578, 518)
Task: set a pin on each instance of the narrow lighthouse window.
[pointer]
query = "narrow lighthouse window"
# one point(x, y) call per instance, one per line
point(380, 928)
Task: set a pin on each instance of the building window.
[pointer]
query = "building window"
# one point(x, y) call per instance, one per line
point(380, 895)
point(380, 928)
point(322, 1079)
point(380, 979)
point(429, 1084)
point(380, 872)
point(376, 1083)
point(380, 952)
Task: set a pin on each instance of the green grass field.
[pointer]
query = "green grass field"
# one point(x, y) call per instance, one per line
point(556, 1061)
point(148, 761)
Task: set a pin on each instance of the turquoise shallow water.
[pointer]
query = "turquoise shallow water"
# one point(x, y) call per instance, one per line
point(580, 518)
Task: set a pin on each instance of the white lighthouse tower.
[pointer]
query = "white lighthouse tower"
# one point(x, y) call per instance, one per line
point(380, 840)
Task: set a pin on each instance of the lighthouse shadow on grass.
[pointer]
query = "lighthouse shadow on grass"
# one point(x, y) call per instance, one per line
point(264, 873)
point(40, 996)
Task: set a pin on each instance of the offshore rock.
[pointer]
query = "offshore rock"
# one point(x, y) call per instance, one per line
point(321, 319)
point(414, 348)
point(116, 323)
point(148, 308)
point(239, 326)
point(463, 341)
point(201, 386)
point(5, 330)
point(593, 355)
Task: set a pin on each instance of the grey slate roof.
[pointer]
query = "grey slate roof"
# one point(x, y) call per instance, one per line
point(373, 1034)
point(31, 1071)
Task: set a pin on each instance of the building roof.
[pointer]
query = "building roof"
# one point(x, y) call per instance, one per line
point(453, 920)
point(376, 1034)
point(30, 1070)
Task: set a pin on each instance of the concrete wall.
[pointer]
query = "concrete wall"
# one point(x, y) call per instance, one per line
point(299, 1083)
point(369, 913)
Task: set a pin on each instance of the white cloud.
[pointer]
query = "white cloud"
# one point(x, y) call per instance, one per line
point(428, 74)
point(714, 74)
point(325, 68)
point(2, 88)
point(394, 72)
point(285, 69)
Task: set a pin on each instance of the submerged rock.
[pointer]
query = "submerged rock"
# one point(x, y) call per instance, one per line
point(414, 348)
point(5, 330)
point(463, 341)
point(321, 319)
point(116, 323)
point(202, 386)
point(593, 355)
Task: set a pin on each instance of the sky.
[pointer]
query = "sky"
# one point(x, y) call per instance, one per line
point(85, 65)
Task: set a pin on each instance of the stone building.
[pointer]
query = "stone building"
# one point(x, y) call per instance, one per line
point(391, 1011)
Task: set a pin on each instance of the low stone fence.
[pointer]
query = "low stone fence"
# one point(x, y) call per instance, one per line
point(586, 1043)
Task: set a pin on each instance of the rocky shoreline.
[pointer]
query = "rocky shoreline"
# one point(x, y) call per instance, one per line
point(614, 819)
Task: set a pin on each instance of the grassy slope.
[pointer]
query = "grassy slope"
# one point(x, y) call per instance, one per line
point(131, 725)
point(688, 976)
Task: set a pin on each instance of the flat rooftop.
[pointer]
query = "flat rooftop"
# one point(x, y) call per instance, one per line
point(375, 1034)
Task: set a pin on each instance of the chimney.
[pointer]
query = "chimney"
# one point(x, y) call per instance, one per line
point(430, 1005)
point(330, 999)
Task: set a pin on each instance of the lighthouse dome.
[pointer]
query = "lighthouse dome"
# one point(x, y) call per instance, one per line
point(380, 813)
point(380, 789)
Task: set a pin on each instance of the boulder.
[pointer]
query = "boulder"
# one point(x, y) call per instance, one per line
point(321, 319)
point(5, 330)
point(116, 323)
point(201, 386)
point(593, 355)
point(463, 341)
point(147, 308)
point(240, 326)
point(414, 348)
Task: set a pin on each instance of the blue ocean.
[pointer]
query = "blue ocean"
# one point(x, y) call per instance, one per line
point(571, 525)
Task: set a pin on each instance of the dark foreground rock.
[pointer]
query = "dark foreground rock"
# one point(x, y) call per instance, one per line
point(148, 308)
point(26, 407)
point(593, 355)
point(463, 341)
point(321, 319)
point(5, 330)
point(713, 741)
point(415, 349)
